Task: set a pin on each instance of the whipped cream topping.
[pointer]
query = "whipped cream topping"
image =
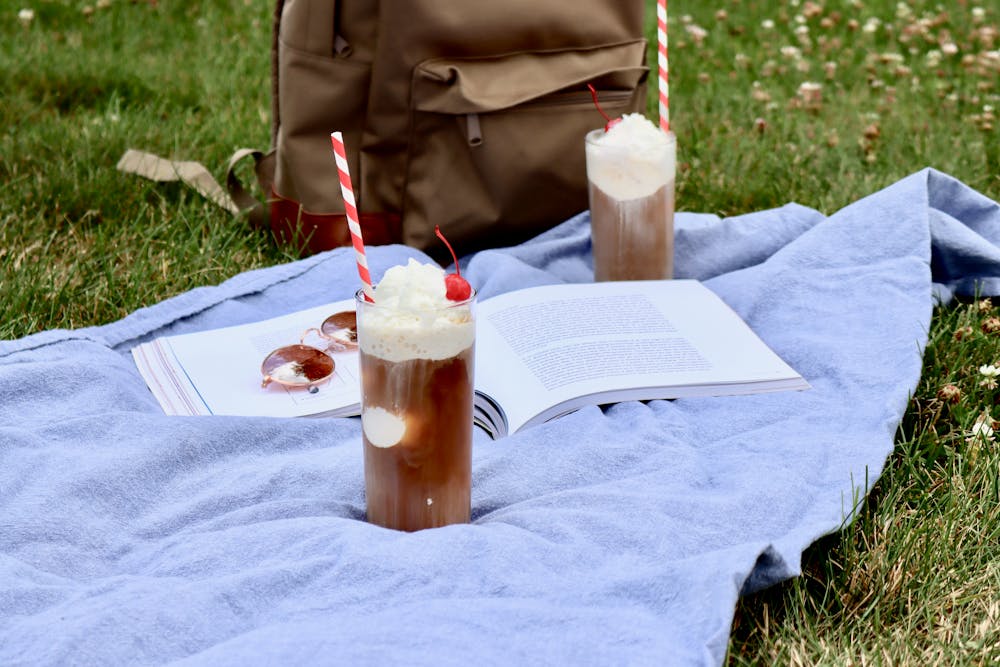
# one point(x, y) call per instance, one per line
point(631, 160)
point(412, 318)
point(413, 286)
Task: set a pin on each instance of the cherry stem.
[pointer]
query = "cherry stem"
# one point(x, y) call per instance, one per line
point(437, 232)
point(593, 93)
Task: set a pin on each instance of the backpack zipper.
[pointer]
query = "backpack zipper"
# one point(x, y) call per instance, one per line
point(474, 131)
point(574, 97)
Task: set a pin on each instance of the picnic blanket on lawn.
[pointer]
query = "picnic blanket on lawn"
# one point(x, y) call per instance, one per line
point(621, 535)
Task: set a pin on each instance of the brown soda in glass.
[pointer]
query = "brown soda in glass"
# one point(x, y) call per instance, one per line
point(632, 239)
point(423, 480)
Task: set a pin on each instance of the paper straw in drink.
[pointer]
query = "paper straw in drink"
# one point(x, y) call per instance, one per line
point(664, 87)
point(351, 210)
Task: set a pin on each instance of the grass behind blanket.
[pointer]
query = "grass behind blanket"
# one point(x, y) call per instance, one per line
point(816, 102)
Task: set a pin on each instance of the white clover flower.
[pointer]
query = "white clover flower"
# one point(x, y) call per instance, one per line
point(950, 393)
point(812, 9)
point(698, 34)
point(989, 371)
point(26, 16)
point(978, 14)
point(949, 48)
point(791, 52)
point(811, 92)
point(767, 24)
point(758, 94)
point(983, 428)
point(871, 25)
point(933, 58)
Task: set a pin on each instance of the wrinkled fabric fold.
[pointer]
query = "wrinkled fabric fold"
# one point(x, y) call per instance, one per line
point(615, 535)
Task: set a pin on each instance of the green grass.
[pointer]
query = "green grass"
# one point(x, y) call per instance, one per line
point(80, 242)
point(915, 580)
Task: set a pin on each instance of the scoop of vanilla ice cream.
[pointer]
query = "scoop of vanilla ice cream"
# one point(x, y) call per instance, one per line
point(636, 133)
point(413, 286)
point(633, 159)
point(412, 317)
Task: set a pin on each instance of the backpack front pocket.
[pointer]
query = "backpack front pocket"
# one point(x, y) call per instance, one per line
point(496, 144)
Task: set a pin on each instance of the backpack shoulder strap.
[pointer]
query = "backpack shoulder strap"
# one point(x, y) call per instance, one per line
point(246, 203)
point(279, 7)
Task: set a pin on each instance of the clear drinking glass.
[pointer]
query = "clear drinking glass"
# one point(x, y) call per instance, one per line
point(631, 194)
point(417, 370)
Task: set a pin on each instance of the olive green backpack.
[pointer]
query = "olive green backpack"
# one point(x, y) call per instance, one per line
point(468, 114)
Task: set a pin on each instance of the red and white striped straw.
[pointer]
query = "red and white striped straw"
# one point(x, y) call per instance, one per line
point(661, 38)
point(351, 209)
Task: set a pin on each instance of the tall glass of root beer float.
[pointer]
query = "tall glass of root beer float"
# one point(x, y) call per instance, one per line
point(416, 361)
point(631, 170)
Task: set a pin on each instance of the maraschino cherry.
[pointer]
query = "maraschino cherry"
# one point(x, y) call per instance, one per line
point(611, 122)
point(456, 287)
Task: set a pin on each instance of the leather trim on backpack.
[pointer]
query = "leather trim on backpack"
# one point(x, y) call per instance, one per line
point(310, 232)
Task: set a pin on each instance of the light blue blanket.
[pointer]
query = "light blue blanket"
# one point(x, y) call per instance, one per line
point(608, 537)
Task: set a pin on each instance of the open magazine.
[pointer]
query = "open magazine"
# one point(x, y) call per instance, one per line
point(541, 352)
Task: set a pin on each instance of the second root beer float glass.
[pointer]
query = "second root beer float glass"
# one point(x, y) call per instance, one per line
point(416, 360)
point(631, 168)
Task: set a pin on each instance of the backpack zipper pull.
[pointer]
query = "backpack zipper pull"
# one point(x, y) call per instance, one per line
point(473, 132)
point(341, 47)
